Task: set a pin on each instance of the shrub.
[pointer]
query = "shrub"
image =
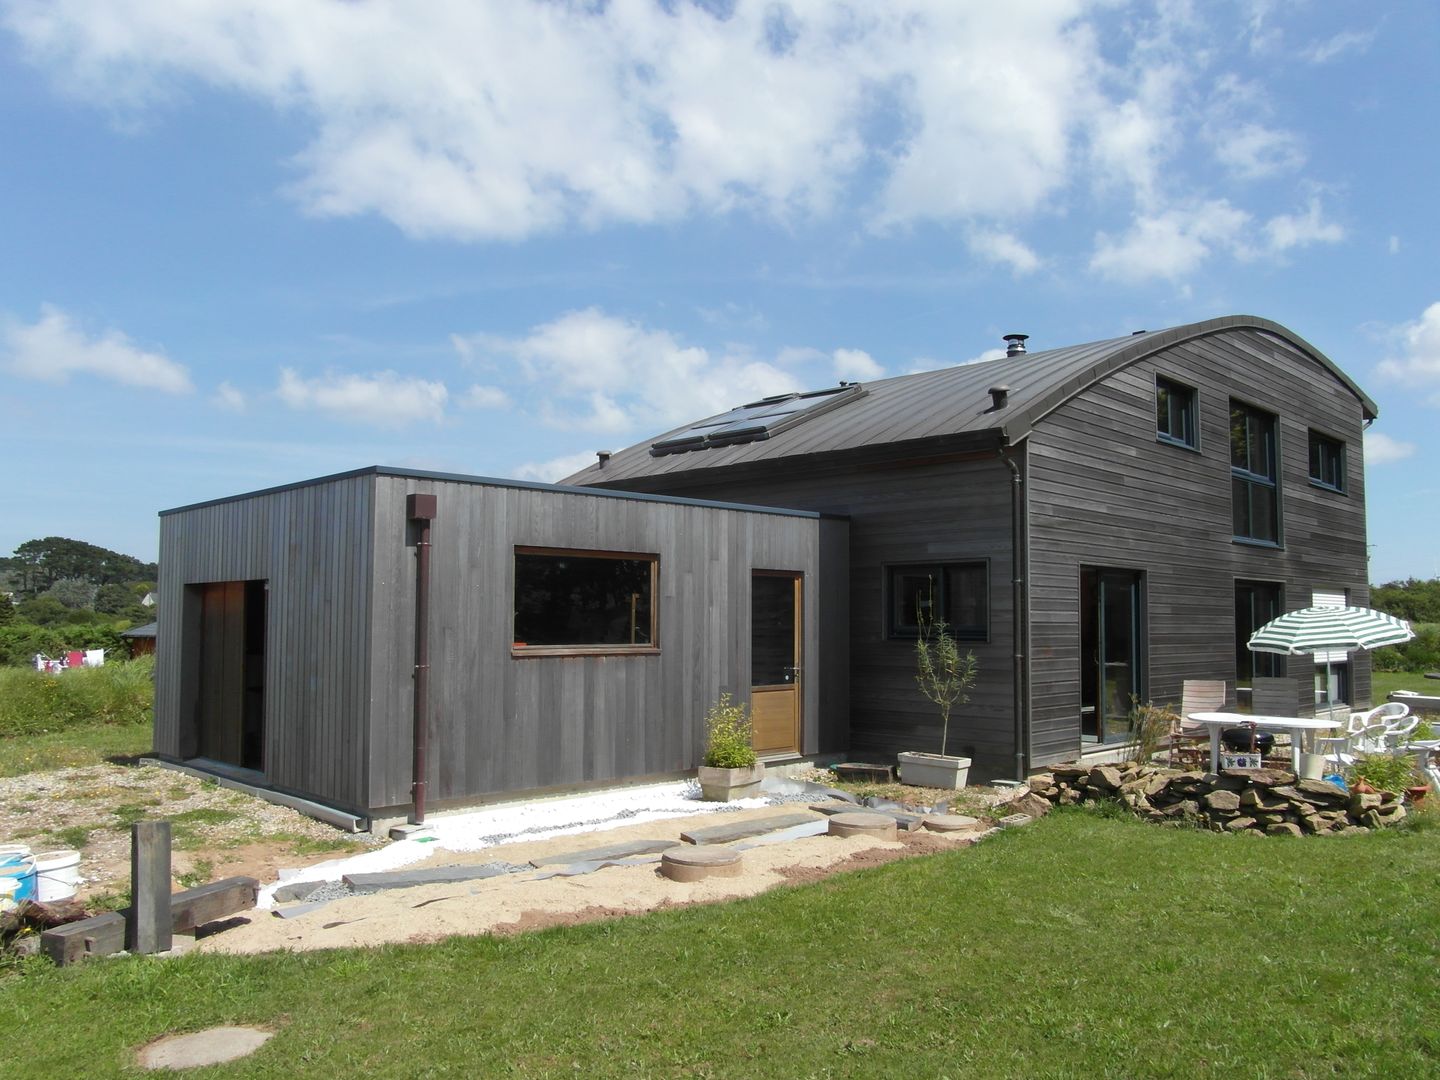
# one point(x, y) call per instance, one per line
point(1150, 727)
point(942, 674)
point(1422, 653)
point(118, 693)
point(729, 737)
point(1385, 772)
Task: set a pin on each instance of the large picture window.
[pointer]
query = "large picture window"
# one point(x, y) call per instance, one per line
point(568, 601)
point(958, 593)
point(1175, 414)
point(1253, 474)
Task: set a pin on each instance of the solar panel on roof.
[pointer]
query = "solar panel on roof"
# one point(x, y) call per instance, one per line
point(756, 420)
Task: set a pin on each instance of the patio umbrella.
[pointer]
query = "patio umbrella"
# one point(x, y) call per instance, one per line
point(1329, 629)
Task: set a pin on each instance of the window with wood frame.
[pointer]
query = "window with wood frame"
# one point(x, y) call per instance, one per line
point(1176, 420)
point(584, 601)
point(1327, 462)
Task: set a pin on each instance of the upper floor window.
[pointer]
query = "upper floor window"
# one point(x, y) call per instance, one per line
point(1327, 462)
point(589, 601)
point(1175, 414)
point(956, 593)
point(1254, 485)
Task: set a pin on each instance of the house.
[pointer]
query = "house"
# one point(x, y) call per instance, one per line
point(1096, 522)
point(140, 639)
point(572, 636)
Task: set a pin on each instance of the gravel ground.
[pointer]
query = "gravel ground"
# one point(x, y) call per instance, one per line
point(218, 832)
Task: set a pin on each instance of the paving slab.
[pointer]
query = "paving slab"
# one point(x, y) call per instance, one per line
point(743, 830)
point(581, 868)
point(405, 879)
point(294, 911)
point(608, 851)
point(908, 822)
point(816, 827)
point(212, 1046)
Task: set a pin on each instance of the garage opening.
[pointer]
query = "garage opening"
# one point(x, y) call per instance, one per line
point(228, 672)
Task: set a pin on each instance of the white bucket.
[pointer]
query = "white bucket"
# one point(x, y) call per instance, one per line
point(57, 875)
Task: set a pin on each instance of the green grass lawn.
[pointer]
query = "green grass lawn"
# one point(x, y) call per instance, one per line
point(72, 747)
point(1384, 683)
point(1083, 946)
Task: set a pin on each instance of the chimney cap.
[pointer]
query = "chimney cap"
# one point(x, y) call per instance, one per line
point(602, 456)
point(1015, 343)
point(999, 396)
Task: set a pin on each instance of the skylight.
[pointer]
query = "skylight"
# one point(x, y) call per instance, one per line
point(757, 420)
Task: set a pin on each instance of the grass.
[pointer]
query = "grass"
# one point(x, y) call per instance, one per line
point(73, 748)
point(120, 693)
point(1384, 683)
point(1081, 946)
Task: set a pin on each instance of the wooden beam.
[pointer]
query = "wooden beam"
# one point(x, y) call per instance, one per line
point(148, 928)
point(97, 936)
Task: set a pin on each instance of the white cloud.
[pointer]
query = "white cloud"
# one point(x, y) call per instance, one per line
point(450, 119)
point(855, 364)
point(925, 363)
point(1287, 231)
point(556, 469)
point(1004, 248)
point(230, 399)
point(384, 399)
point(1346, 41)
point(1381, 449)
point(1394, 245)
point(485, 397)
point(54, 348)
point(1418, 347)
point(598, 372)
point(1170, 244)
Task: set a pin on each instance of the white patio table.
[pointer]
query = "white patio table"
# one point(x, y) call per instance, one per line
point(1296, 725)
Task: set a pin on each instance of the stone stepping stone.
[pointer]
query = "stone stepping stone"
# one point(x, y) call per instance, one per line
point(948, 823)
point(609, 851)
point(880, 826)
point(406, 879)
point(210, 1047)
point(743, 830)
point(908, 822)
point(686, 863)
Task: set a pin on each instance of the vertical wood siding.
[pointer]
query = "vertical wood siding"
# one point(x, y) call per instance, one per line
point(951, 511)
point(312, 545)
point(505, 724)
point(1104, 492)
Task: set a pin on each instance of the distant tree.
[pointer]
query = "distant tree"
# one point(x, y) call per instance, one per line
point(7, 611)
point(113, 599)
point(1415, 599)
point(42, 611)
point(75, 593)
point(39, 564)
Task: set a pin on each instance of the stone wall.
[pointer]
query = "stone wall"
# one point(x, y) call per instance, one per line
point(1235, 800)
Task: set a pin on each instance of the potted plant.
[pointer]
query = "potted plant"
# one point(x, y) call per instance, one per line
point(943, 676)
point(1383, 772)
point(731, 770)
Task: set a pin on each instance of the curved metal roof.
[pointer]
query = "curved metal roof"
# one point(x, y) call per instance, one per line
point(953, 401)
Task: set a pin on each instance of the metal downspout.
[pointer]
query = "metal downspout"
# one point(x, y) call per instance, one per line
point(421, 510)
point(1021, 621)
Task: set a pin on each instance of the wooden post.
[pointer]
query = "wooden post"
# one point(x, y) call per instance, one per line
point(149, 927)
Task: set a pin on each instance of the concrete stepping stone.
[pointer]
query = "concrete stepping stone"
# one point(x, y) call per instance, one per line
point(609, 851)
point(407, 879)
point(212, 1046)
point(880, 826)
point(908, 822)
point(743, 830)
point(690, 863)
point(948, 823)
point(795, 832)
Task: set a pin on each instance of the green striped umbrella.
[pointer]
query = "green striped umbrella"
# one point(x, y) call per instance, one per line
point(1329, 629)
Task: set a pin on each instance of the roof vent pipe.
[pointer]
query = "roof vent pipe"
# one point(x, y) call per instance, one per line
point(1015, 344)
point(999, 395)
point(602, 456)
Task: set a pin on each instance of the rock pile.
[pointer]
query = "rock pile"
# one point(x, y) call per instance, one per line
point(1266, 801)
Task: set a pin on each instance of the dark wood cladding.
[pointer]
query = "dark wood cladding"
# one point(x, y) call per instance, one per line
point(917, 511)
point(1104, 492)
point(311, 545)
point(502, 723)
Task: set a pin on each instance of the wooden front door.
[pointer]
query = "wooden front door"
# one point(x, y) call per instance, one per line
point(775, 660)
point(230, 706)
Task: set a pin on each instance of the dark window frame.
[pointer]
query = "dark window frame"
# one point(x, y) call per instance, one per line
point(1262, 665)
point(970, 633)
point(1261, 433)
point(1188, 410)
point(651, 647)
point(1335, 460)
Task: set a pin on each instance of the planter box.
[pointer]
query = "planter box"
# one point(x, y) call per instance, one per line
point(1243, 760)
point(726, 785)
point(934, 770)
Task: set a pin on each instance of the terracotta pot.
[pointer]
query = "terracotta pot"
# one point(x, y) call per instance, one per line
point(1360, 787)
point(1418, 792)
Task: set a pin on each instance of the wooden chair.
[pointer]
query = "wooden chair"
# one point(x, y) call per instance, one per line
point(1196, 695)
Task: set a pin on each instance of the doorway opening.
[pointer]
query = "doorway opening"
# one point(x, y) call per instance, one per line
point(776, 601)
point(1112, 652)
point(228, 672)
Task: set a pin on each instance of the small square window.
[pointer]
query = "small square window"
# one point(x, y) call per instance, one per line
point(1175, 414)
point(1327, 462)
point(957, 593)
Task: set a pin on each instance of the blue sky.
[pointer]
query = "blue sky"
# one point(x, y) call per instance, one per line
point(249, 243)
